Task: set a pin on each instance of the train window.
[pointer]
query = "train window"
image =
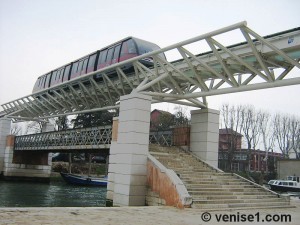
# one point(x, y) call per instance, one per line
point(47, 80)
point(116, 54)
point(102, 57)
point(80, 66)
point(83, 71)
point(54, 76)
point(128, 50)
point(60, 73)
point(131, 47)
point(66, 73)
point(43, 82)
point(91, 63)
point(74, 68)
point(109, 56)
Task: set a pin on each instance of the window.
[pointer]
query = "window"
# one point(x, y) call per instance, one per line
point(101, 60)
point(91, 63)
point(74, 67)
point(60, 73)
point(109, 55)
point(83, 70)
point(116, 54)
point(80, 66)
point(66, 73)
point(54, 74)
point(47, 80)
point(128, 47)
point(103, 56)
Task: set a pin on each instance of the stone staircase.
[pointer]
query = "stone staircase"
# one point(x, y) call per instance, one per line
point(212, 189)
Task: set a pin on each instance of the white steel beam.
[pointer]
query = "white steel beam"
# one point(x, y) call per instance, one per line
point(249, 65)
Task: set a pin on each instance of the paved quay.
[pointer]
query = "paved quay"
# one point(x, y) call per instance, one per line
point(159, 215)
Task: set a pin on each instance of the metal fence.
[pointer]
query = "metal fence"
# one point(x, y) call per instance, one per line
point(85, 138)
point(164, 138)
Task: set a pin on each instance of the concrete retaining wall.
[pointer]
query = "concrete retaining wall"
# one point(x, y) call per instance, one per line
point(165, 187)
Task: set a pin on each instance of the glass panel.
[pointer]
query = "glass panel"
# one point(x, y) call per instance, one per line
point(102, 57)
point(109, 55)
point(47, 80)
point(74, 68)
point(92, 61)
point(53, 78)
point(66, 73)
point(83, 71)
point(131, 47)
point(80, 66)
point(116, 54)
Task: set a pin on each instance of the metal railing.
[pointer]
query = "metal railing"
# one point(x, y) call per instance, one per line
point(85, 138)
point(164, 138)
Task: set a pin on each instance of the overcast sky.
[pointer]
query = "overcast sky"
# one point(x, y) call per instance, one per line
point(37, 36)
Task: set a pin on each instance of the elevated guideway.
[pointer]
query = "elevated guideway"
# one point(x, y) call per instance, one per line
point(255, 63)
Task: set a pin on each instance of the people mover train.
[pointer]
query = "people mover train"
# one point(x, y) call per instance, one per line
point(120, 51)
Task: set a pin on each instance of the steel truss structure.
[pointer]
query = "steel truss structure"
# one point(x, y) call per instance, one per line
point(76, 139)
point(164, 138)
point(256, 63)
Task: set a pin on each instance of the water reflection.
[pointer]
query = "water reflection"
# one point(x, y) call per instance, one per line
point(55, 194)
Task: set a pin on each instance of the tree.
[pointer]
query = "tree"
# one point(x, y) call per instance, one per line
point(268, 137)
point(62, 123)
point(232, 121)
point(100, 118)
point(250, 127)
point(181, 116)
point(282, 133)
point(33, 127)
point(295, 135)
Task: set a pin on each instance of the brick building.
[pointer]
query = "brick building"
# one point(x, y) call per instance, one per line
point(230, 145)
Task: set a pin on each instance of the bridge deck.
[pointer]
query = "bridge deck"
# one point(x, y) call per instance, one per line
point(76, 139)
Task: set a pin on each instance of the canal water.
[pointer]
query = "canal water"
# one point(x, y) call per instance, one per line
point(55, 194)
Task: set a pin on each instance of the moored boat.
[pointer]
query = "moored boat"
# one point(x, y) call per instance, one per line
point(291, 184)
point(84, 180)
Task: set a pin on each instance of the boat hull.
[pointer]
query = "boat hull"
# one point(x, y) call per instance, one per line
point(284, 188)
point(85, 181)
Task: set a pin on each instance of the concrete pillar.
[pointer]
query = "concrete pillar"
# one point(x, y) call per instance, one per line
point(25, 165)
point(5, 125)
point(128, 155)
point(110, 176)
point(205, 135)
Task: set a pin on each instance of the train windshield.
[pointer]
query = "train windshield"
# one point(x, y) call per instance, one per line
point(145, 47)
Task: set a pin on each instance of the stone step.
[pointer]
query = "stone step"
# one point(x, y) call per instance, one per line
point(229, 201)
point(216, 183)
point(221, 186)
point(241, 205)
point(235, 189)
point(211, 189)
point(209, 193)
point(212, 197)
point(206, 179)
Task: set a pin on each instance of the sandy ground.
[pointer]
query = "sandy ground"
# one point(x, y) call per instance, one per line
point(139, 215)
